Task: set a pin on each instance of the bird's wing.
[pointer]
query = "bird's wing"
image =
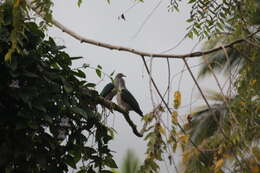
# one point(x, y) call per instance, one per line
point(128, 98)
point(107, 89)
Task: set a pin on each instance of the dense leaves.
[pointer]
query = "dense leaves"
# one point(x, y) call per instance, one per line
point(48, 116)
point(213, 17)
point(227, 133)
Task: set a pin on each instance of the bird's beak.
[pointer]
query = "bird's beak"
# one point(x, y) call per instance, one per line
point(123, 75)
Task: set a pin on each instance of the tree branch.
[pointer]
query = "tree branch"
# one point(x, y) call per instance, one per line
point(130, 50)
point(110, 105)
point(168, 109)
point(210, 109)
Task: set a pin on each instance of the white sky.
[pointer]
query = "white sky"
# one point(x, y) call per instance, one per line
point(98, 20)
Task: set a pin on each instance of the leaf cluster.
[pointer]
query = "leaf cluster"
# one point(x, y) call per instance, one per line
point(39, 91)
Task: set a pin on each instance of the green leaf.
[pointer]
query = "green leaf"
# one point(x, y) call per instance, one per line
point(90, 85)
point(111, 74)
point(80, 74)
point(190, 35)
point(8, 55)
point(67, 87)
point(79, 3)
point(189, 20)
point(80, 111)
point(98, 73)
point(110, 162)
point(85, 65)
point(74, 58)
point(70, 161)
point(191, 1)
point(98, 66)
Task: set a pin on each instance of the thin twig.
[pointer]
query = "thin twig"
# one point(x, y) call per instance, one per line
point(146, 19)
point(168, 87)
point(150, 84)
point(210, 109)
point(196, 83)
point(169, 110)
point(252, 43)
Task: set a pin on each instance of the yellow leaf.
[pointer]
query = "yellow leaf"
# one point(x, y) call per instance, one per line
point(252, 82)
point(173, 132)
point(171, 139)
point(184, 139)
point(148, 117)
point(242, 103)
point(186, 126)
point(150, 156)
point(177, 99)
point(227, 156)
point(17, 2)
point(219, 164)
point(254, 169)
point(174, 117)
point(161, 129)
point(256, 152)
point(8, 55)
point(186, 156)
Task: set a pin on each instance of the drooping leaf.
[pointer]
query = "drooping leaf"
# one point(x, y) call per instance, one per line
point(177, 99)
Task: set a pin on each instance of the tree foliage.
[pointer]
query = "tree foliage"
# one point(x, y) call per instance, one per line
point(49, 118)
point(43, 97)
point(226, 133)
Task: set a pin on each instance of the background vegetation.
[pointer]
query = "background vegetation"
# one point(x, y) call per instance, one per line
point(49, 116)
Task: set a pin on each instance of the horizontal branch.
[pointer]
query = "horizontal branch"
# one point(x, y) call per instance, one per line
point(130, 50)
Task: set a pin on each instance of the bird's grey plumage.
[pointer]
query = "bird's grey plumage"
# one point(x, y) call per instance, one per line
point(110, 90)
point(126, 99)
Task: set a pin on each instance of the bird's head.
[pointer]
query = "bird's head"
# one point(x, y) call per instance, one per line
point(120, 75)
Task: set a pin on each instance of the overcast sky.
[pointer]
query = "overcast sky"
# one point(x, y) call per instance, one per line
point(98, 20)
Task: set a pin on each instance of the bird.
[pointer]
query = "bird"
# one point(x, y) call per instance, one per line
point(126, 99)
point(110, 90)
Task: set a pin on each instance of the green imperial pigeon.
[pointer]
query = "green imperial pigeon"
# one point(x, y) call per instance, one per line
point(126, 99)
point(110, 90)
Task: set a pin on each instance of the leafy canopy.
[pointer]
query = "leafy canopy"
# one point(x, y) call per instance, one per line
point(42, 97)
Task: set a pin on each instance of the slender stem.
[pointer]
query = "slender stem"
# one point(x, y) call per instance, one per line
point(168, 109)
point(196, 83)
point(210, 109)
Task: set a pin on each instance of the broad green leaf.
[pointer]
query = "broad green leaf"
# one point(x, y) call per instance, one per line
point(79, 3)
point(79, 111)
point(190, 34)
point(98, 72)
point(110, 162)
point(70, 161)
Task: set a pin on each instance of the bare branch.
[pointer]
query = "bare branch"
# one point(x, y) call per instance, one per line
point(197, 84)
point(133, 51)
point(113, 106)
point(167, 107)
point(210, 109)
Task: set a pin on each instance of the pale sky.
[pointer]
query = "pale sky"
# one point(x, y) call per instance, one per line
point(98, 20)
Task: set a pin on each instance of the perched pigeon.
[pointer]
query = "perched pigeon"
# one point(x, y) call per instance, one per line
point(126, 99)
point(110, 90)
